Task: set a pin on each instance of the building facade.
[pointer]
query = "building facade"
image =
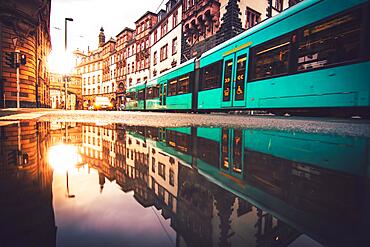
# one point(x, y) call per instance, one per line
point(108, 87)
point(165, 39)
point(209, 23)
point(142, 37)
point(121, 54)
point(25, 27)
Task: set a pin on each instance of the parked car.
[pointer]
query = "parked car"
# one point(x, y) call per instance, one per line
point(102, 103)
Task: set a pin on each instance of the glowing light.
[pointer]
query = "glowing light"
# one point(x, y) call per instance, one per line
point(63, 157)
point(60, 62)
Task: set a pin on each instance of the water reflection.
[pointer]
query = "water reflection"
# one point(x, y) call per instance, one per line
point(26, 210)
point(199, 186)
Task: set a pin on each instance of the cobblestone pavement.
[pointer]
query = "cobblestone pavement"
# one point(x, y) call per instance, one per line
point(352, 127)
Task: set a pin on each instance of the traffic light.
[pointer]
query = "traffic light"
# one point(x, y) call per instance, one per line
point(10, 59)
point(23, 59)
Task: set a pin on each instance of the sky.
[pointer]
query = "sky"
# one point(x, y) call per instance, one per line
point(88, 17)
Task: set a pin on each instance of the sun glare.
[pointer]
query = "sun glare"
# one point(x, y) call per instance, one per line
point(60, 62)
point(63, 157)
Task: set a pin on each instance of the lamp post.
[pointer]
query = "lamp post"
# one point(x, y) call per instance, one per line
point(65, 48)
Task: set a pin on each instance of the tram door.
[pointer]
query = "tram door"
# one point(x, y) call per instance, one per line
point(234, 79)
point(232, 152)
point(163, 94)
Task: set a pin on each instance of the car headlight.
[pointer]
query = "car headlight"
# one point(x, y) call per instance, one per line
point(110, 105)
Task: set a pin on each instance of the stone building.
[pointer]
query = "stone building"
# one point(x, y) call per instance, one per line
point(108, 88)
point(25, 26)
point(143, 26)
point(98, 72)
point(209, 23)
point(121, 55)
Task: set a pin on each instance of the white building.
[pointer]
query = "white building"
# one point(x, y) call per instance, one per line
point(92, 73)
point(165, 39)
point(130, 56)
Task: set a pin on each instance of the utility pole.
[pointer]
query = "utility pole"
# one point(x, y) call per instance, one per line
point(15, 60)
point(17, 68)
point(65, 48)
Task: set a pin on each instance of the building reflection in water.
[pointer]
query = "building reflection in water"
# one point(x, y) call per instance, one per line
point(220, 187)
point(225, 187)
point(26, 215)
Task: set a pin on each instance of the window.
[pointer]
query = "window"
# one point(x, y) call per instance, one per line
point(140, 95)
point(184, 82)
point(163, 55)
point(155, 36)
point(172, 177)
point(271, 58)
point(174, 19)
point(172, 87)
point(334, 41)
point(162, 170)
point(174, 46)
point(164, 28)
point(149, 93)
point(153, 164)
point(211, 76)
point(208, 151)
point(253, 17)
point(240, 77)
point(279, 5)
point(227, 79)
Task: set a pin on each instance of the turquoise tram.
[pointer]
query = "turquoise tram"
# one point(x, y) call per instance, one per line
point(302, 178)
point(312, 57)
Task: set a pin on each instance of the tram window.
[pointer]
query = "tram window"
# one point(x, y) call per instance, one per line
point(183, 82)
point(141, 94)
point(240, 77)
point(156, 91)
point(227, 79)
point(149, 93)
point(152, 92)
point(331, 42)
point(182, 142)
point(172, 87)
point(271, 59)
point(211, 76)
point(131, 96)
point(208, 151)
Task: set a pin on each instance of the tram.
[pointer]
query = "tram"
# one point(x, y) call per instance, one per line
point(313, 58)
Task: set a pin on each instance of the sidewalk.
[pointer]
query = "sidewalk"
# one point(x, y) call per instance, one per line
point(23, 113)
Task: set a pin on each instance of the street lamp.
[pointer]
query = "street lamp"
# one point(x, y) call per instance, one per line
point(65, 47)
